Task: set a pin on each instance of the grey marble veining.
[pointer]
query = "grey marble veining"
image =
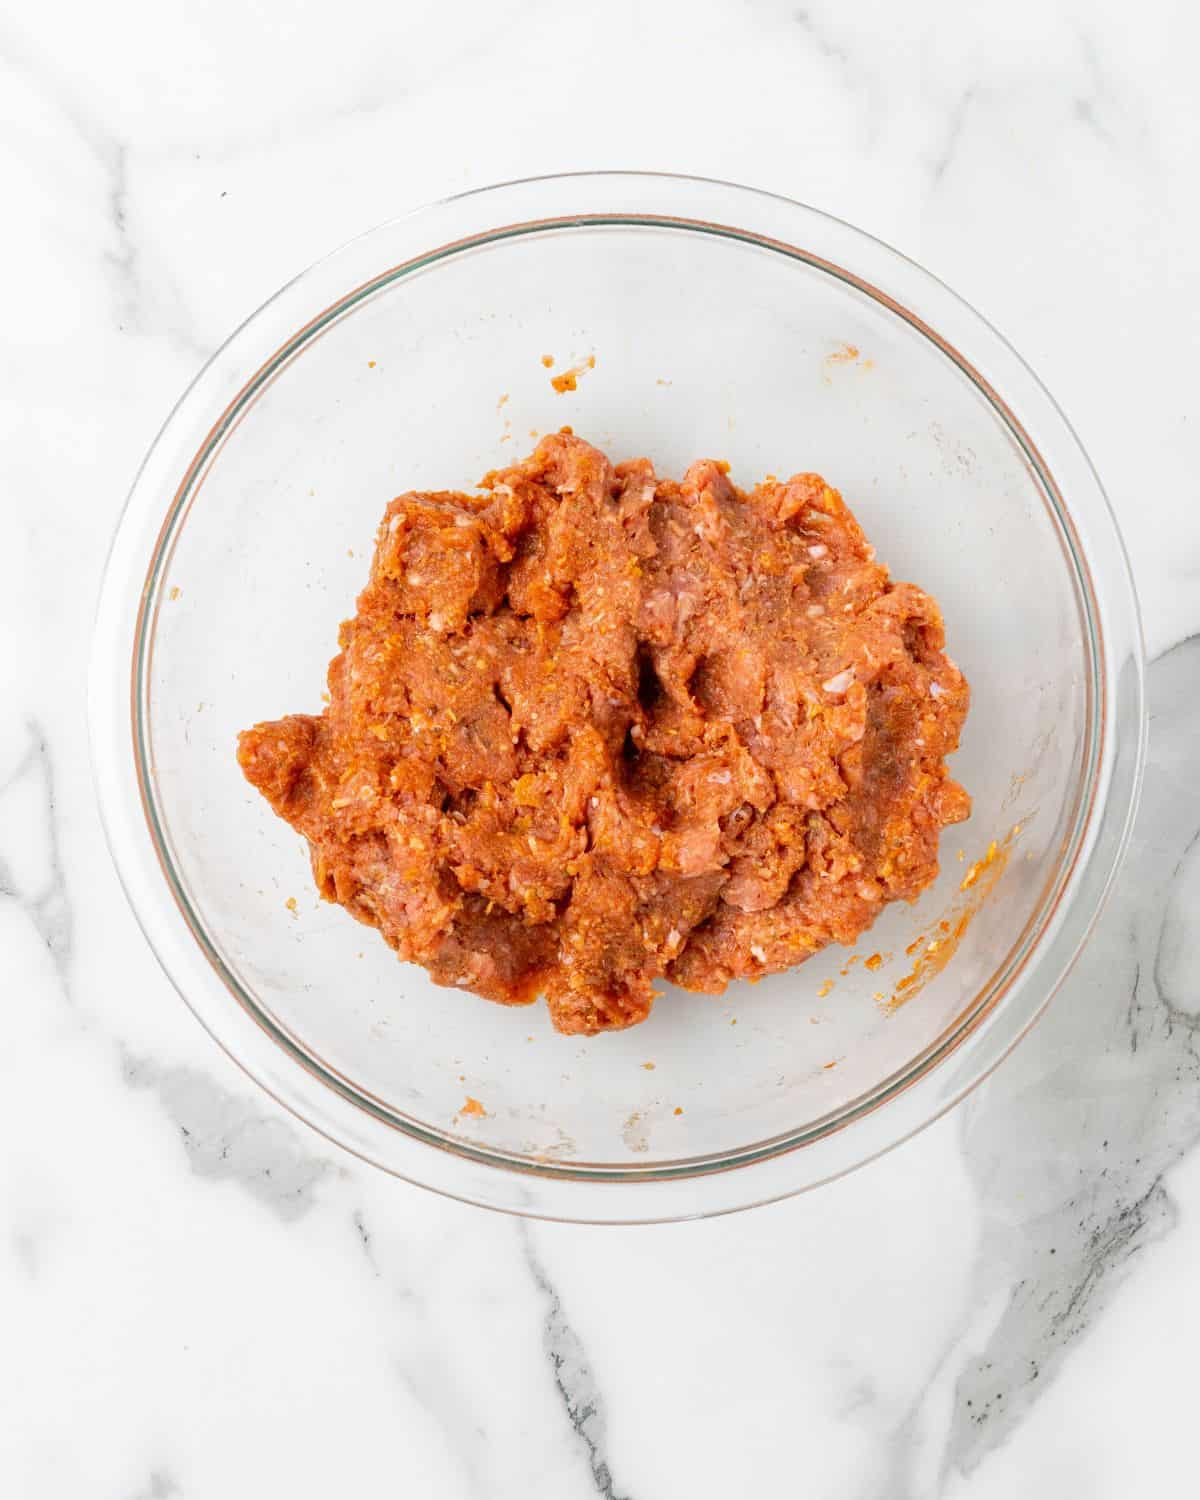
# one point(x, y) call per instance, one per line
point(582, 1401)
point(227, 1136)
point(1068, 1146)
point(31, 871)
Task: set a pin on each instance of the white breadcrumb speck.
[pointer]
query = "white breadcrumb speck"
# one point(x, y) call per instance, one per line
point(839, 682)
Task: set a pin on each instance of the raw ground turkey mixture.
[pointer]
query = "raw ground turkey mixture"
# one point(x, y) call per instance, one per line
point(591, 728)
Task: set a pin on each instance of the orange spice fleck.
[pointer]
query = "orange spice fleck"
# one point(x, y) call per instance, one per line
point(525, 791)
point(846, 355)
point(548, 361)
point(825, 1067)
point(678, 1110)
point(503, 401)
point(370, 364)
point(174, 594)
point(472, 1107)
point(569, 379)
point(825, 989)
point(290, 903)
point(649, 1067)
point(874, 962)
point(980, 866)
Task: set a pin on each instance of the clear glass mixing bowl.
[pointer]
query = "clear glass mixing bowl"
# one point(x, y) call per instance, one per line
point(724, 323)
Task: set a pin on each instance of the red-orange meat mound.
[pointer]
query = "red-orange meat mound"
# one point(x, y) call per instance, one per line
point(591, 727)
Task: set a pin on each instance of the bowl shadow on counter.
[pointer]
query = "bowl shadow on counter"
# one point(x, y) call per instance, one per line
point(1068, 1143)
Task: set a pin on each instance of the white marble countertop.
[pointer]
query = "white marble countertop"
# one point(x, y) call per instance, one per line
point(198, 1296)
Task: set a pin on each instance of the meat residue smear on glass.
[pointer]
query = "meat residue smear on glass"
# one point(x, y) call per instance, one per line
point(934, 949)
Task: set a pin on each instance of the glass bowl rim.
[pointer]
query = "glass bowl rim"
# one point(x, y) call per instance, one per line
point(530, 1176)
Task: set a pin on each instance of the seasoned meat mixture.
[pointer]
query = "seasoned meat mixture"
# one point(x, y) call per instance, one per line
point(592, 727)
